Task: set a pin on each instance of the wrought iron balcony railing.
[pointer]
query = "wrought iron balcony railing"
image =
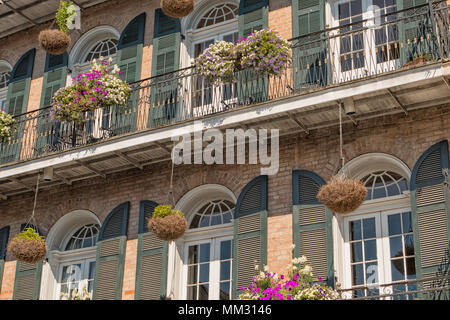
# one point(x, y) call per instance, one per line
point(349, 52)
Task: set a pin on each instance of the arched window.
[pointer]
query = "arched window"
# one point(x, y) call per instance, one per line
point(72, 244)
point(385, 183)
point(5, 74)
point(220, 13)
point(207, 246)
point(377, 239)
point(104, 48)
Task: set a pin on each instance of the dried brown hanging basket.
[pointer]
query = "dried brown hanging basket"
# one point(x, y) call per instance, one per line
point(177, 8)
point(342, 195)
point(54, 41)
point(29, 250)
point(169, 227)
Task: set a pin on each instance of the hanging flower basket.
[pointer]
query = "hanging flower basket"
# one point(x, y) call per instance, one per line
point(54, 41)
point(101, 87)
point(342, 195)
point(167, 224)
point(177, 8)
point(264, 52)
point(6, 126)
point(28, 246)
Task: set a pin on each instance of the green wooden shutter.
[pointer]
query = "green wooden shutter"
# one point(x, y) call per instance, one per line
point(27, 282)
point(152, 257)
point(253, 16)
point(430, 204)
point(129, 59)
point(16, 104)
point(54, 78)
point(250, 233)
point(312, 225)
point(309, 53)
point(111, 248)
point(4, 236)
point(166, 58)
point(416, 33)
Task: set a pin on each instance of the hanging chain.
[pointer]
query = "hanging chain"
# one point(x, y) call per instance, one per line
point(171, 198)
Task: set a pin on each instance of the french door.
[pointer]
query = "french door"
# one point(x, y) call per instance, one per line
point(366, 41)
point(379, 254)
point(207, 269)
point(75, 275)
point(209, 98)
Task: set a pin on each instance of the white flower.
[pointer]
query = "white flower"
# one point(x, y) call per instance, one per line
point(292, 246)
point(266, 268)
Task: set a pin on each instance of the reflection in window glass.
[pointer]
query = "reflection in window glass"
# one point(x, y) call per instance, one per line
point(383, 184)
point(213, 213)
point(84, 237)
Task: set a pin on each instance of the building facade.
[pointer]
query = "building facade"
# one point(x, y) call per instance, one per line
point(385, 64)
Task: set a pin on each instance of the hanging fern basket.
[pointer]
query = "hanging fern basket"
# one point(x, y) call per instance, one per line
point(54, 41)
point(177, 8)
point(342, 195)
point(28, 246)
point(167, 224)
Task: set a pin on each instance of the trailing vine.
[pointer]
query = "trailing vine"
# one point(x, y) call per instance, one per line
point(64, 15)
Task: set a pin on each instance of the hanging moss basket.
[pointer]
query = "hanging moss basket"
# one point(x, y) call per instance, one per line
point(28, 246)
point(177, 8)
point(342, 195)
point(54, 41)
point(167, 224)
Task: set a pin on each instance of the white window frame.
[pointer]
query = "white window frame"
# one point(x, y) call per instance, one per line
point(370, 67)
point(85, 264)
point(4, 67)
point(214, 265)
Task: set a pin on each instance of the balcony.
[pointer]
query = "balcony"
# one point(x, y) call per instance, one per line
point(396, 65)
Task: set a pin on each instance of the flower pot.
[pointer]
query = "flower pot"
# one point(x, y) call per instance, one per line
point(177, 8)
point(169, 228)
point(29, 251)
point(342, 195)
point(54, 41)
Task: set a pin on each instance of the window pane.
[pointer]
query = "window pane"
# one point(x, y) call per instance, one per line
point(204, 272)
point(355, 230)
point(225, 270)
point(394, 224)
point(203, 292)
point(371, 273)
point(370, 250)
point(358, 274)
point(396, 247)
point(356, 252)
point(192, 274)
point(204, 252)
point(225, 250)
point(411, 268)
point(193, 255)
point(224, 291)
point(409, 245)
point(397, 270)
point(407, 225)
point(369, 228)
point(192, 293)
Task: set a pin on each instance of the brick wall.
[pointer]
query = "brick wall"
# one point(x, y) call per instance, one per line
point(403, 137)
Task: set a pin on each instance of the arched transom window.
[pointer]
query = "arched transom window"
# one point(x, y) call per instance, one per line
point(104, 48)
point(84, 237)
point(220, 13)
point(213, 213)
point(381, 184)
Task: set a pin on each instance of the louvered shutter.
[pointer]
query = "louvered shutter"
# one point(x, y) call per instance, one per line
point(151, 267)
point(54, 78)
point(253, 16)
point(312, 223)
point(27, 282)
point(430, 203)
point(129, 59)
point(166, 55)
point(110, 259)
point(4, 235)
point(250, 233)
point(16, 104)
point(309, 53)
point(416, 32)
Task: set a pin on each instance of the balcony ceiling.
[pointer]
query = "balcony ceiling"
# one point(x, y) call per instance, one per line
point(146, 148)
point(17, 15)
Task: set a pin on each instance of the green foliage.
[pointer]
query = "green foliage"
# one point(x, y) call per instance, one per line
point(29, 234)
point(64, 15)
point(162, 211)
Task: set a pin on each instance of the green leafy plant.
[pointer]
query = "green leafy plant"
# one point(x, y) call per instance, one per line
point(162, 211)
point(29, 234)
point(64, 15)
